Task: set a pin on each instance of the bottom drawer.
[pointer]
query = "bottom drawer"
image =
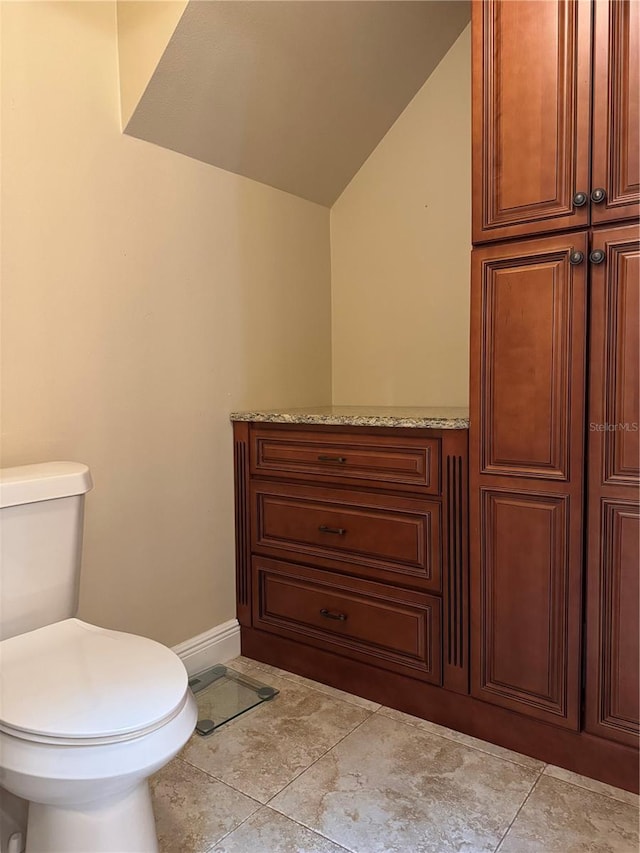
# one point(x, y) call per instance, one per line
point(397, 629)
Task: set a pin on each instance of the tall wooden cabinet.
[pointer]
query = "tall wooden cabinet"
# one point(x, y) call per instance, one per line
point(555, 316)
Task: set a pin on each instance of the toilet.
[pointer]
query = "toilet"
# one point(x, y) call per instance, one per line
point(87, 714)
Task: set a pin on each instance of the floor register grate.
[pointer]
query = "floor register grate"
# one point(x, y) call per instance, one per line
point(223, 694)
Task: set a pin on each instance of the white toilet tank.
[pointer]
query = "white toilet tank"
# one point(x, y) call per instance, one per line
point(41, 516)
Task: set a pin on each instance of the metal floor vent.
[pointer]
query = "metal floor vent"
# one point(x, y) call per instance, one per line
point(223, 694)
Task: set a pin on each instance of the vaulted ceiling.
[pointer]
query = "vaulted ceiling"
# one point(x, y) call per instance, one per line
point(293, 93)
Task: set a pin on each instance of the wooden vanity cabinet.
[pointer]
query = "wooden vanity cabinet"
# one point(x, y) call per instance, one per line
point(543, 160)
point(377, 603)
point(353, 540)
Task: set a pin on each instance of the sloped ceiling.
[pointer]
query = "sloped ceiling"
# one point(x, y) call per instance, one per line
point(293, 93)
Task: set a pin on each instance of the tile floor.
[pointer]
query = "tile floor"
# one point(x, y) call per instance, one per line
point(316, 770)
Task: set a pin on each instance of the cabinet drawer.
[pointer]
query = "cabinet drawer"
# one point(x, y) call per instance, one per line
point(361, 533)
point(409, 464)
point(392, 628)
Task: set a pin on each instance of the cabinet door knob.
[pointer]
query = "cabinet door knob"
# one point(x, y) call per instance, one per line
point(598, 195)
point(576, 258)
point(339, 617)
point(597, 256)
point(580, 199)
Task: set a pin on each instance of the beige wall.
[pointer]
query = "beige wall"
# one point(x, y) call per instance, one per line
point(144, 30)
point(400, 240)
point(145, 296)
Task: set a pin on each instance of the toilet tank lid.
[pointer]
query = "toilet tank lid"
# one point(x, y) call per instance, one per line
point(26, 484)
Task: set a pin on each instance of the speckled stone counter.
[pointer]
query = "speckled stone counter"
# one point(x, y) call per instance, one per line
point(365, 416)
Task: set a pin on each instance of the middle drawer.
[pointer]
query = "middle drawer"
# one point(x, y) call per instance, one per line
point(365, 534)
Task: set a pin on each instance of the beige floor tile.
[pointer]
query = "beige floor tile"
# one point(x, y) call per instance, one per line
point(467, 740)
point(241, 664)
point(351, 698)
point(563, 818)
point(390, 787)
point(592, 785)
point(192, 810)
point(264, 749)
point(270, 832)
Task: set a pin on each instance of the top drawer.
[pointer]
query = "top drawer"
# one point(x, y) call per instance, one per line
point(408, 464)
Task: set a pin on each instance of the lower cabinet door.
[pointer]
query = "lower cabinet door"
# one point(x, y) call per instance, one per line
point(386, 626)
point(526, 606)
point(612, 643)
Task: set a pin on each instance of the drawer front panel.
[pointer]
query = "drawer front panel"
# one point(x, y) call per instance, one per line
point(392, 628)
point(408, 463)
point(339, 528)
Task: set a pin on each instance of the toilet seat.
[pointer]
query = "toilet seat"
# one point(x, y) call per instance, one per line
point(74, 683)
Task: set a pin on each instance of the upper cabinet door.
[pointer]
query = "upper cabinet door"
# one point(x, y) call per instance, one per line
point(616, 120)
point(531, 104)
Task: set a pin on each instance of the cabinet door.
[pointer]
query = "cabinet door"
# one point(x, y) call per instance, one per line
point(616, 119)
point(527, 439)
point(531, 101)
point(613, 659)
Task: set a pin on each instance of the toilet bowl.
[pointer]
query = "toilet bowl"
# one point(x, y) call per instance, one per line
point(87, 714)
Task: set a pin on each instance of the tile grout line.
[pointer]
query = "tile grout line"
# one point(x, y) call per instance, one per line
point(461, 743)
point(309, 829)
point(227, 834)
point(584, 787)
point(315, 761)
point(266, 805)
point(226, 785)
point(301, 681)
point(217, 779)
point(291, 781)
point(522, 805)
point(379, 710)
point(304, 770)
point(280, 814)
point(313, 830)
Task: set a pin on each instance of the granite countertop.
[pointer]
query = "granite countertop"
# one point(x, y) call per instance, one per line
point(431, 417)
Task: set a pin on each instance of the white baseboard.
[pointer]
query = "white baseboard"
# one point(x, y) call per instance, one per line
point(218, 645)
